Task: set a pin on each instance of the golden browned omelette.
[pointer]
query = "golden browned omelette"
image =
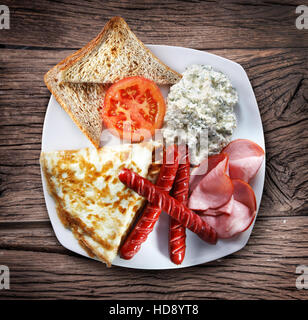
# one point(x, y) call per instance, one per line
point(90, 198)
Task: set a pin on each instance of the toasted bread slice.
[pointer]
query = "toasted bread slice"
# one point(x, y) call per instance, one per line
point(90, 199)
point(82, 93)
point(115, 54)
point(81, 101)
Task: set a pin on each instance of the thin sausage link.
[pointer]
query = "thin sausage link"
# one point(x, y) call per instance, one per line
point(177, 232)
point(173, 207)
point(151, 212)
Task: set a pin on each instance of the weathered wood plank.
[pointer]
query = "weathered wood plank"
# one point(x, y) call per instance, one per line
point(274, 54)
point(37, 236)
point(196, 24)
point(270, 236)
point(279, 79)
point(264, 269)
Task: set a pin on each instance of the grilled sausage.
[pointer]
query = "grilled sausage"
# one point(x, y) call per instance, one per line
point(173, 207)
point(151, 213)
point(180, 189)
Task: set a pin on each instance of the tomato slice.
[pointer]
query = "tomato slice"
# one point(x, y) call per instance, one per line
point(133, 108)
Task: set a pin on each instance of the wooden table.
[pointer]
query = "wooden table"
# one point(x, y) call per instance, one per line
point(263, 38)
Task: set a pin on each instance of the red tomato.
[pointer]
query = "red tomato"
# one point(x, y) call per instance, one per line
point(133, 108)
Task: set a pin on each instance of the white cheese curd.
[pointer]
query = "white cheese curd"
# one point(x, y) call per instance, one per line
point(201, 104)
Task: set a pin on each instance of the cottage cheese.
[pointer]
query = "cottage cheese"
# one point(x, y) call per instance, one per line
point(200, 111)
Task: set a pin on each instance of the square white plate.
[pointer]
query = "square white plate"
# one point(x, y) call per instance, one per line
point(60, 133)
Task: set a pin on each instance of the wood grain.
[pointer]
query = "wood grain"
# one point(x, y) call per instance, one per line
point(280, 92)
point(265, 268)
point(197, 24)
point(261, 36)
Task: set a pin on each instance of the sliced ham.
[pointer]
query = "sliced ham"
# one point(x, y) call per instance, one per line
point(242, 215)
point(245, 159)
point(244, 193)
point(198, 173)
point(214, 190)
point(227, 209)
point(219, 189)
point(227, 225)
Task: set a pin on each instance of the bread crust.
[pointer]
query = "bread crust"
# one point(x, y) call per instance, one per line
point(50, 81)
point(53, 79)
point(109, 25)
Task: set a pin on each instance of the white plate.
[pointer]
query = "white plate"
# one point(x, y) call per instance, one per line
point(60, 133)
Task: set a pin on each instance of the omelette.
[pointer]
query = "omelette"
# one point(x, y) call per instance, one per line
point(90, 199)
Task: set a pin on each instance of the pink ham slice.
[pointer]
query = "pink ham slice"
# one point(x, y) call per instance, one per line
point(214, 190)
point(227, 226)
point(229, 206)
point(227, 209)
point(245, 159)
point(198, 173)
point(243, 212)
point(244, 193)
